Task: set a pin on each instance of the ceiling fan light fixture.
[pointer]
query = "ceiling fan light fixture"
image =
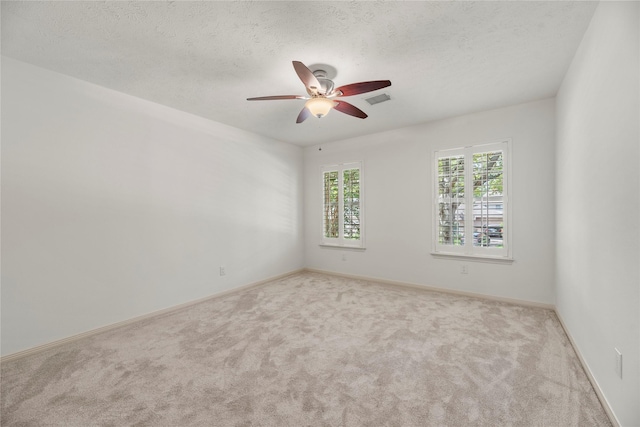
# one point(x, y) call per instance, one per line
point(319, 106)
point(321, 90)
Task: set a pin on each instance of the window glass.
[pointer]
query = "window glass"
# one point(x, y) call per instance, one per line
point(330, 214)
point(471, 202)
point(488, 213)
point(342, 222)
point(451, 200)
point(351, 186)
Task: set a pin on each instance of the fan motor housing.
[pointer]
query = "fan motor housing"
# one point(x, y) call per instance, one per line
point(326, 85)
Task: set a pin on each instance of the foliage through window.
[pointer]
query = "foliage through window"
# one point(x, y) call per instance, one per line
point(471, 201)
point(342, 205)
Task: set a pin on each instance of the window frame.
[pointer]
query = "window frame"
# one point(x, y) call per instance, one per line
point(469, 250)
point(340, 241)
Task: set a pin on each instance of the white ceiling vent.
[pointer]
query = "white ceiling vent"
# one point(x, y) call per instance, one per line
point(378, 99)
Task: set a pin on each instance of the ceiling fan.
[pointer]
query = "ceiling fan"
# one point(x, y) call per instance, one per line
point(323, 96)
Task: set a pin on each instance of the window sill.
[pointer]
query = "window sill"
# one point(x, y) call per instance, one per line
point(479, 258)
point(352, 248)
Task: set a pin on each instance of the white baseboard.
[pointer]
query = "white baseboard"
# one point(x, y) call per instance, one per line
point(437, 289)
point(50, 345)
point(587, 371)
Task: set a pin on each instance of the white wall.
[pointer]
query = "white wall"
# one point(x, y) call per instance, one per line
point(598, 192)
point(398, 211)
point(114, 207)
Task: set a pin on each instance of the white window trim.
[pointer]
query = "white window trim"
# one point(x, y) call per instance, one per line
point(468, 251)
point(340, 242)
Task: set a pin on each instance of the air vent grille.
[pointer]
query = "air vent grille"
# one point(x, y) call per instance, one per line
point(378, 99)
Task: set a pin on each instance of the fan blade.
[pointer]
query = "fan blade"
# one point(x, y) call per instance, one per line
point(304, 114)
point(345, 107)
point(269, 98)
point(307, 77)
point(362, 87)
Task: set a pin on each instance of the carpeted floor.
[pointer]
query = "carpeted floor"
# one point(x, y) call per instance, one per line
point(313, 350)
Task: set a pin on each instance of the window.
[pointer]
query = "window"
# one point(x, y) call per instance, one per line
point(342, 205)
point(471, 201)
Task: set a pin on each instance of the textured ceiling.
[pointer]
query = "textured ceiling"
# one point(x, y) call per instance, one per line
point(443, 58)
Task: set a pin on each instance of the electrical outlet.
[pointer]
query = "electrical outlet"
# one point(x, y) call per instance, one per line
point(344, 257)
point(222, 271)
point(464, 269)
point(618, 362)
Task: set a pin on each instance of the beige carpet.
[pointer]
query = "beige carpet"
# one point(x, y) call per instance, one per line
point(313, 350)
